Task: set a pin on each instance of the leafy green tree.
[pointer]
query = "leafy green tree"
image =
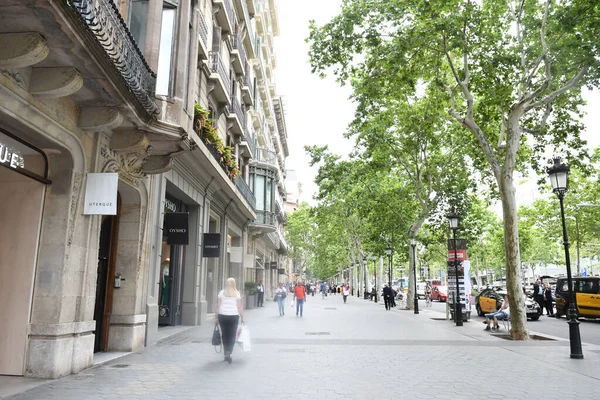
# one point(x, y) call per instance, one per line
point(300, 232)
point(512, 71)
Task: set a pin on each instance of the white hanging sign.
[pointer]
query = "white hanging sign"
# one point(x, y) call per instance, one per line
point(101, 194)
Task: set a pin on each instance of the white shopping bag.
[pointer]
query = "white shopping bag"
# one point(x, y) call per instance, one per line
point(244, 338)
point(293, 303)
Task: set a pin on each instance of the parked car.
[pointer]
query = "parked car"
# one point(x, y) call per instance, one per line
point(490, 300)
point(439, 293)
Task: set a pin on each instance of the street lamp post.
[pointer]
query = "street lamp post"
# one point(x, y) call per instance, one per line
point(453, 220)
point(375, 274)
point(389, 251)
point(413, 244)
point(366, 267)
point(559, 178)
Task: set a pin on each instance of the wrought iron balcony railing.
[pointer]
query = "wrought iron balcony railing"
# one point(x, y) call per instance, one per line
point(265, 156)
point(239, 112)
point(245, 10)
point(218, 66)
point(251, 141)
point(246, 192)
point(248, 79)
point(229, 11)
point(103, 19)
point(265, 218)
point(238, 45)
point(203, 30)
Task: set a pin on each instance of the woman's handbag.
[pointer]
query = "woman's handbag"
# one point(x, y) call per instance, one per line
point(216, 338)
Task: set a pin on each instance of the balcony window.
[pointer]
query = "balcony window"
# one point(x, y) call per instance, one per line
point(269, 195)
point(189, 44)
point(259, 192)
point(263, 191)
point(165, 53)
point(138, 22)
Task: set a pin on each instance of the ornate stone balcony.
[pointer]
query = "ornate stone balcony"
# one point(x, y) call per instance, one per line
point(224, 15)
point(103, 20)
point(245, 191)
point(221, 84)
point(203, 35)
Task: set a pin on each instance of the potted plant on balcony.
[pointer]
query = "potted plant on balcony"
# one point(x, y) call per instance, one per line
point(251, 290)
point(205, 129)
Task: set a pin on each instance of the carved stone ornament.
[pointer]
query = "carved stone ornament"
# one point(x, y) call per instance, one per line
point(131, 150)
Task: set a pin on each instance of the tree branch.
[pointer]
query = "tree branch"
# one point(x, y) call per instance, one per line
point(572, 83)
point(502, 127)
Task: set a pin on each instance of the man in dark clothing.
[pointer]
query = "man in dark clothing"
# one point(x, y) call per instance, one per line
point(387, 297)
point(538, 295)
point(261, 294)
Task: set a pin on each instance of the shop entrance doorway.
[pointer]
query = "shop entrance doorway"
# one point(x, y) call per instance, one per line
point(170, 298)
point(107, 258)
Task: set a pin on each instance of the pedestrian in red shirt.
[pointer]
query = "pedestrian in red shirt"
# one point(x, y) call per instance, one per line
point(299, 296)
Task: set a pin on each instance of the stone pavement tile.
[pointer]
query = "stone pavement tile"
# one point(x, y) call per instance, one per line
point(370, 353)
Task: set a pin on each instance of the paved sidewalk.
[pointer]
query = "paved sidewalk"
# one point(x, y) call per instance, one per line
point(342, 351)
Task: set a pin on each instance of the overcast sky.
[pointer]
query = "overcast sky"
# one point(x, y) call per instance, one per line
point(318, 110)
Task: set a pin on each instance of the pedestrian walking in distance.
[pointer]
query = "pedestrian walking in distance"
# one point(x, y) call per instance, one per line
point(280, 295)
point(229, 311)
point(345, 292)
point(261, 294)
point(387, 297)
point(299, 296)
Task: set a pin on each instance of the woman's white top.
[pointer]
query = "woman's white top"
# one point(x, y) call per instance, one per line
point(228, 304)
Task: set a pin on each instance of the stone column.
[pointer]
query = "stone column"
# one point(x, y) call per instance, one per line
point(157, 196)
point(61, 324)
point(128, 318)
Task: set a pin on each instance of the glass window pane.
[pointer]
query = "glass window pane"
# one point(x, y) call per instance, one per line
point(163, 77)
point(138, 21)
point(259, 192)
point(268, 205)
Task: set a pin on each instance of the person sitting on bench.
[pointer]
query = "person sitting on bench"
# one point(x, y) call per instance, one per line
point(502, 313)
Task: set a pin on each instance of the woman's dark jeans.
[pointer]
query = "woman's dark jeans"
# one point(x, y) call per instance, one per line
point(228, 325)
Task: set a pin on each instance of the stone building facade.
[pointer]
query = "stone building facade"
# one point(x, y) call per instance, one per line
point(98, 86)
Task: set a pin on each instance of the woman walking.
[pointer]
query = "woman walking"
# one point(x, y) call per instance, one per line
point(280, 295)
point(229, 311)
point(345, 292)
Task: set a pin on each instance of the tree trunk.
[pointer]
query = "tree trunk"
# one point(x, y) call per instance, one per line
point(513, 258)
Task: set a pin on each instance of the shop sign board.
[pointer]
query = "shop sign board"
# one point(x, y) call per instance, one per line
point(211, 245)
point(101, 192)
point(273, 264)
point(11, 157)
point(177, 228)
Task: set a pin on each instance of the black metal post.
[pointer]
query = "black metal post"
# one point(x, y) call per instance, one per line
point(390, 270)
point(375, 270)
point(574, 336)
point(457, 305)
point(415, 295)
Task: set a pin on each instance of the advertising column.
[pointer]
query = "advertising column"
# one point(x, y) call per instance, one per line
point(464, 277)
